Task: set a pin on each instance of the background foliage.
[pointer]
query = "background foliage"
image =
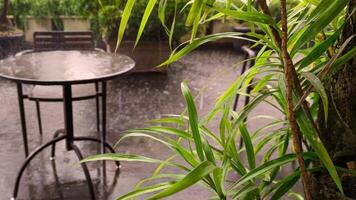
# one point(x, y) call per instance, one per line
point(104, 15)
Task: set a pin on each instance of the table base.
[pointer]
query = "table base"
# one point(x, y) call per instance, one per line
point(52, 144)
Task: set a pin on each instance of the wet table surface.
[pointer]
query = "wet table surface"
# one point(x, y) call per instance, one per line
point(64, 67)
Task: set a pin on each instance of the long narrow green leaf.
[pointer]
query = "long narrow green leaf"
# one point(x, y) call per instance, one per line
point(224, 123)
point(312, 137)
point(219, 178)
point(186, 155)
point(251, 16)
point(149, 7)
point(194, 12)
point(145, 190)
point(267, 139)
point(196, 21)
point(191, 178)
point(124, 19)
point(193, 120)
point(156, 176)
point(262, 83)
point(337, 66)
point(248, 145)
point(164, 129)
point(285, 185)
point(328, 14)
point(318, 85)
point(178, 54)
point(121, 157)
point(236, 161)
point(321, 7)
point(248, 108)
point(208, 152)
point(162, 11)
point(138, 134)
point(248, 192)
point(268, 166)
point(319, 50)
point(170, 120)
point(210, 134)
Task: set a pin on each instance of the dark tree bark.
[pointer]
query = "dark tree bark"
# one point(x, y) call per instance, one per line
point(4, 12)
point(339, 132)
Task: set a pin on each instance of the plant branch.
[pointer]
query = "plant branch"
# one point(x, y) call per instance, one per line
point(265, 10)
point(3, 16)
point(296, 81)
point(290, 79)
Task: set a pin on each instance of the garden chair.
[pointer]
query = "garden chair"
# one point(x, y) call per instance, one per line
point(61, 40)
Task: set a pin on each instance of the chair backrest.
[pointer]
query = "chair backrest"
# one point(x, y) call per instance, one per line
point(63, 40)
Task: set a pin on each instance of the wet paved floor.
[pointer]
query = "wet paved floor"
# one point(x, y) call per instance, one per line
point(133, 100)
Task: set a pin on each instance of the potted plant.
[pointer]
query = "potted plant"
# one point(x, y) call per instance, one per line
point(36, 16)
point(47, 15)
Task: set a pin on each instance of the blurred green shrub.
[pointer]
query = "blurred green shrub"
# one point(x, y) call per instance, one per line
point(104, 15)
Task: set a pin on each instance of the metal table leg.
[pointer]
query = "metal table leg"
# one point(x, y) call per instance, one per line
point(76, 150)
point(56, 179)
point(56, 134)
point(68, 135)
point(39, 120)
point(86, 171)
point(103, 128)
point(68, 115)
point(97, 102)
point(27, 162)
point(22, 117)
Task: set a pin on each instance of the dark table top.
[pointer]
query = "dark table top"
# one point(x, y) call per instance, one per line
point(64, 67)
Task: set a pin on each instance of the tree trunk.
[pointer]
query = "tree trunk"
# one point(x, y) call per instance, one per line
point(339, 132)
point(5, 10)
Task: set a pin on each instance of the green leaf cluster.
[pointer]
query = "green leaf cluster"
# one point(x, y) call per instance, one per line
point(212, 156)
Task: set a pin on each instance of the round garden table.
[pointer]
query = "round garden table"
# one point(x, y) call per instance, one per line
point(65, 69)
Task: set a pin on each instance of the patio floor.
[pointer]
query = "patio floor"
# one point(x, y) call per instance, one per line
point(132, 101)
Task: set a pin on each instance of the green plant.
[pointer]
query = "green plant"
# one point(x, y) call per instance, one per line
point(104, 15)
point(68, 7)
point(37, 9)
point(274, 7)
point(310, 32)
point(154, 30)
point(48, 8)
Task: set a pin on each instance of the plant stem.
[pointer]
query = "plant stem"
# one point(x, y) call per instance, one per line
point(290, 79)
point(265, 10)
point(296, 80)
point(3, 16)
